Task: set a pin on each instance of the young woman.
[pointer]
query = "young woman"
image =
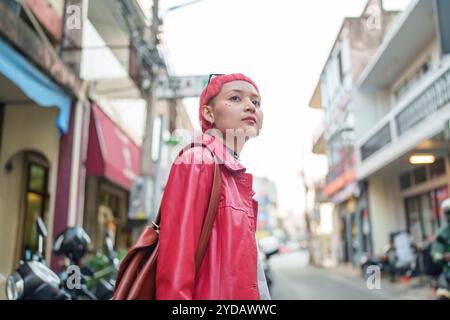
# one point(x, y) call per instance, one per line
point(230, 113)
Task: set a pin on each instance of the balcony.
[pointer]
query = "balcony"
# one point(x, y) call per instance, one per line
point(381, 138)
point(421, 114)
point(412, 30)
point(108, 41)
point(430, 100)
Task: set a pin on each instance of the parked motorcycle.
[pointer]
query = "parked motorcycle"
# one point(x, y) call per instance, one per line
point(33, 279)
point(367, 261)
point(382, 262)
point(73, 243)
point(102, 270)
point(389, 264)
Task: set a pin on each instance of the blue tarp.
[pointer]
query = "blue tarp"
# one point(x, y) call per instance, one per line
point(34, 84)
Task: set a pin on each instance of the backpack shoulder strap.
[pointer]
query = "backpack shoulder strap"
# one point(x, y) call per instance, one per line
point(212, 207)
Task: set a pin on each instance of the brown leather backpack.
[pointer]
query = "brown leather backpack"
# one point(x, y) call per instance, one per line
point(136, 279)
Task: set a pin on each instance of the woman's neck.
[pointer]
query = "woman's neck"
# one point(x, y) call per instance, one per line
point(232, 152)
point(232, 145)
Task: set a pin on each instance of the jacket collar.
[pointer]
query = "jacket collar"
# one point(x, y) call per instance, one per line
point(222, 152)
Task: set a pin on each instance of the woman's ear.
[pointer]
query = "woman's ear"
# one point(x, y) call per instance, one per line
point(208, 114)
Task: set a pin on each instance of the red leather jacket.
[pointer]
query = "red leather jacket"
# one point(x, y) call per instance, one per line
point(229, 267)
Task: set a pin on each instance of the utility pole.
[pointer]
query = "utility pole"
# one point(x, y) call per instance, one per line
point(147, 164)
point(308, 218)
point(150, 170)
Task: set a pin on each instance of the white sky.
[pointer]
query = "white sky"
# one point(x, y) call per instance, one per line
point(282, 45)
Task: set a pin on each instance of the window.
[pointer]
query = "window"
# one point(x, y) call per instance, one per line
point(111, 201)
point(36, 201)
point(341, 67)
point(405, 181)
point(427, 214)
point(425, 67)
point(423, 214)
point(437, 197)
point(414, 220)
point(420, 175)
point(413, 79)
point(437, 168)
point(110, 214)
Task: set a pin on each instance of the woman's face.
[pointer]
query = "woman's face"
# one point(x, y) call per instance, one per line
point(236, 107)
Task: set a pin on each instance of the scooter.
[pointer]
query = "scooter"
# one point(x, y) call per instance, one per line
point(33, 279)
point(73, 243)
point(388, 263)
point(381, 262)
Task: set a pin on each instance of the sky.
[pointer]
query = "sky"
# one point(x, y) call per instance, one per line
point(282, 45)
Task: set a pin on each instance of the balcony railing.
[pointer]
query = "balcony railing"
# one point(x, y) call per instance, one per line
point(433, 98)
point(376, 142)
point(430, 95)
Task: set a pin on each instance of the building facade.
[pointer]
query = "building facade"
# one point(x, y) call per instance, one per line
point(403, 111)
point(39, 98)
point(356, 43)
point(65, 65)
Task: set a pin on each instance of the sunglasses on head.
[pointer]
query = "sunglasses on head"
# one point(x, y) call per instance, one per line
point(212, 76)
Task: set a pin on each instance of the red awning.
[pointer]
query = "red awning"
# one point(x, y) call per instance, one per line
point(111, 153)
point(333, 187)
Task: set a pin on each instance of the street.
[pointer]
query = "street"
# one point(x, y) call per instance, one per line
point(294, 279)
point(118, 115)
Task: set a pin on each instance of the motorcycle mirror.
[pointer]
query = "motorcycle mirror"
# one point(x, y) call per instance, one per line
point(42, 230)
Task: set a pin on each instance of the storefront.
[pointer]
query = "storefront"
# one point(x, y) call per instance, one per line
point(34, 115)
point(112, 164)
point(423, 211)
point(348, 229)
point(351, 217)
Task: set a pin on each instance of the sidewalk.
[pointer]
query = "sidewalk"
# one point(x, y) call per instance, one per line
point(416, 289)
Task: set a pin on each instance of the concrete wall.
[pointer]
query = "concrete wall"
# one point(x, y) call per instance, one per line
point(387, 212)
point(379, 213)
point(26, 127)
point(369, 108)
point(366, 34)
point(431, 51)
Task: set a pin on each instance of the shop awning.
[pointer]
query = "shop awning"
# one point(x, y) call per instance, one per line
point(339, 183)
point(35, 84)
point(111, 153)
